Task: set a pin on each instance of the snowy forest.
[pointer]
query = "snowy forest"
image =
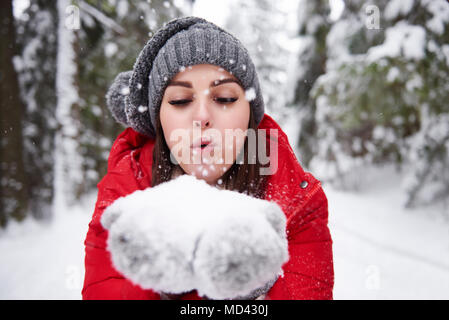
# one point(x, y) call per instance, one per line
point(360, 87)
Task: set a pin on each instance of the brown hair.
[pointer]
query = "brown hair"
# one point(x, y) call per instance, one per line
point(243, 178)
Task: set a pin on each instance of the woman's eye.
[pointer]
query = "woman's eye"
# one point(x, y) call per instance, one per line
point(219, 100)
point(226, 100)
point(180, 102)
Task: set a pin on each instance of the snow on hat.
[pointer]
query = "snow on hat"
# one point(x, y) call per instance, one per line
point(134, 97)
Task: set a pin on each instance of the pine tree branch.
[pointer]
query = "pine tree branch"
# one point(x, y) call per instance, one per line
point(101, 17)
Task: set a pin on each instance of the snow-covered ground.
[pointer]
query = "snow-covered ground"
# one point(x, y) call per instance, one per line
point(381, 251)
point(45, 261)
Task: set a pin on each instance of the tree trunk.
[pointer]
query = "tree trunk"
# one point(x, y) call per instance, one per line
point(13, 186)
point(37, 46)
point(68, 170)
point(312, 63)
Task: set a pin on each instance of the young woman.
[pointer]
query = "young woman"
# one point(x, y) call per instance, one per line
point(196, 81)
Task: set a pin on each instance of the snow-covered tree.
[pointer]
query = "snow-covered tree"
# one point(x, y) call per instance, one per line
point(262, 28)
point(13, 179)
point(68, 179)
point(36, 65)
point(428, 176)
point(383, 86)
point(313, 27)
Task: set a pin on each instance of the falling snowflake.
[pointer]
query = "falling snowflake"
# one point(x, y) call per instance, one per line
point(142, 109)
point(250, 94)
point(124, 91)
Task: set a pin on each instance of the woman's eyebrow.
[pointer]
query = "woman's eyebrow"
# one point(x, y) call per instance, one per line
point(180, 83)
point(214, 83)
point(221, 81)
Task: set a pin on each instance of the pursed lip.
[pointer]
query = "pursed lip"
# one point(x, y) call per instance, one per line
point(207, 142)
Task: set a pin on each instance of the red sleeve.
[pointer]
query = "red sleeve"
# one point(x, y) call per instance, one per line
point(101, 280)
point(309, 273)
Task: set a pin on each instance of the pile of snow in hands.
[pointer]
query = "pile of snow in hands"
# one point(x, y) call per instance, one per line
point(185, 234)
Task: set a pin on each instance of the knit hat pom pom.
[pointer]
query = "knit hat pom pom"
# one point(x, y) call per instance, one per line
point(115, 97)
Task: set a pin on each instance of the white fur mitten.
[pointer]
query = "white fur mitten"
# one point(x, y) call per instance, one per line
point(242, 249)
point(184, 234)
point(150, 244)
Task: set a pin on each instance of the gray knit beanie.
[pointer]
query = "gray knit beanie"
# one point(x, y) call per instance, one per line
point(134, 97)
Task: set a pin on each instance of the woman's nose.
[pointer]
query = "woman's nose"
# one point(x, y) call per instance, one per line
point(202, 117)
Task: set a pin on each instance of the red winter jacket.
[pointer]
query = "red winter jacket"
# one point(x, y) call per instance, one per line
point(309, 272)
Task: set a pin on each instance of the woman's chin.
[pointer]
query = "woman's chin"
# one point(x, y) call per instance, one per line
point(211, 173)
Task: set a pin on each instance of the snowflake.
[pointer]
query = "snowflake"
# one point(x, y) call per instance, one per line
point(250, 94)
point(142, 109)
point(124, 91)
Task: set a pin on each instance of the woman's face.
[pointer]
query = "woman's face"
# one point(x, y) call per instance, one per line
point(204, 116)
